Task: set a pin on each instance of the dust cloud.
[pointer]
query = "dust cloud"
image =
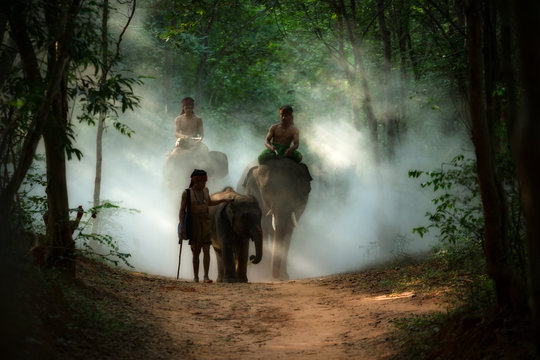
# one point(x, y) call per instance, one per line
point(359, 212)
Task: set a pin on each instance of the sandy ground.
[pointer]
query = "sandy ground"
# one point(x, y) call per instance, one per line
point(336, 317)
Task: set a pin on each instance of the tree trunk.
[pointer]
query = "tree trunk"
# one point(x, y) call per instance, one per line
point(17, 18)
point(99, 161)
point(199, 94)
point(385, 35)
point(101, 121)
point(62, 251)
point(7, 57)
point(368, 107)
point(493, 200)
point(349, 21)
point(507, 67)
point(526, 141)
point(389, 114)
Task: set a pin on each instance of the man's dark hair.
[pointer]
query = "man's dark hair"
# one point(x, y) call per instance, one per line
point(286, 108)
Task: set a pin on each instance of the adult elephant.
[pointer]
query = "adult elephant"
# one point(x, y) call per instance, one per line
point(179, 163)
point(233, 225)
point(281, 186)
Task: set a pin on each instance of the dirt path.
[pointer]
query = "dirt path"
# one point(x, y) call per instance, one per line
point(336, 317)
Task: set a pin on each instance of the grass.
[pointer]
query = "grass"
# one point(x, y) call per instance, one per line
point(472, 327)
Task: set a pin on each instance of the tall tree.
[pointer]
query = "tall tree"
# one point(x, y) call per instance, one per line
point(55, 46)
point(338, 26)
point(526, 140)
point(107, 63)
point(44, 102)
point(390, 115)
point(497, 251)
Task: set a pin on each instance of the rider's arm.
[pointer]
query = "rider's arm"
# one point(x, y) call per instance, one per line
point(296, 142)
point(211, 202)
point(269, 138)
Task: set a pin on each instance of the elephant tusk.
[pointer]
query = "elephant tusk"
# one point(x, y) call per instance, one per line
point(293, 219)
point(273, 222)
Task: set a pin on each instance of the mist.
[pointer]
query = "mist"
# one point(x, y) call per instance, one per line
point(360, 212)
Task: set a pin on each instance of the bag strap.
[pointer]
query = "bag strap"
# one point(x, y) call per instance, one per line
point(188, 200)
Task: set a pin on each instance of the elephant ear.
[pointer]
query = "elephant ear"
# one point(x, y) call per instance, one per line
point(248, 176)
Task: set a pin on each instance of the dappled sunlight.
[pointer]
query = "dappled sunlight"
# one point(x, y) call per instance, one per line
point(394, 296)
point(338, 144)
point(358, 212)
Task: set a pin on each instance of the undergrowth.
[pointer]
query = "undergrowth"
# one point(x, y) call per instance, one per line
point(471, 326)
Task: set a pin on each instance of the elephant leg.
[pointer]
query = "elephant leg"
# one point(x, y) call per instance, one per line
point(285, 247)
point(225, 239)
point(242, 253)
point(229, 263)
point(219, 260)
point(282, 241)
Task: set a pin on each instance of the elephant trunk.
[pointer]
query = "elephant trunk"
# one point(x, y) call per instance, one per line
point(257, 238)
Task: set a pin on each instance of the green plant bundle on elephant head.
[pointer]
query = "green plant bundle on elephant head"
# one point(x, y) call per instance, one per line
point(281, 186)
point(233, 225)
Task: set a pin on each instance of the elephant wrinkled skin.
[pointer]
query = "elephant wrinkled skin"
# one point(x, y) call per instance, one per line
point(281, 186)
point(233, 225)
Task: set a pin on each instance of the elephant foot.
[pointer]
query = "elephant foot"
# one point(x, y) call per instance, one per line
point(196, 279)
point(280, 275)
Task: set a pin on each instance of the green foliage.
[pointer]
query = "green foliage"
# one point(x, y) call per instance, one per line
point(106, 98)
point(101, 246)
point(458, 213)
point(87, 247)
point(32, 207)
point(32, 201)
point(21, 96)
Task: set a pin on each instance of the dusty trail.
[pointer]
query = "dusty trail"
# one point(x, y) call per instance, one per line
point(336, 317)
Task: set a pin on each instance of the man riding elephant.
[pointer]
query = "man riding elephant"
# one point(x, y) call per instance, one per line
point(280, 136)
point(281, 184)
point(189, 151)
point(188, 128)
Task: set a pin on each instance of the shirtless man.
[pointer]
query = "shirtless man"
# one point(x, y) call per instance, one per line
point(200, 221)
point(280, 136)
point(188, 127)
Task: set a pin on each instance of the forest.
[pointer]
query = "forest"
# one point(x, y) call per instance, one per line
point(416, 121)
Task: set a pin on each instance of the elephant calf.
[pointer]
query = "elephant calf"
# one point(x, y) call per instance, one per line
point(233, 224)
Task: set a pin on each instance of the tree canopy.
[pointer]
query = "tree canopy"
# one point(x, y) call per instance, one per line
point(375, 61)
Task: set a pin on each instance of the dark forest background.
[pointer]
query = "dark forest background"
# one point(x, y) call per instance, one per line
point(478, 59)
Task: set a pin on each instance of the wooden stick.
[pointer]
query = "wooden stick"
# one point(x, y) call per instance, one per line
point(179, 259)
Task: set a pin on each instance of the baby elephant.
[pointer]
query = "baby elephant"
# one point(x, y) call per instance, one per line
point(233, 224)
